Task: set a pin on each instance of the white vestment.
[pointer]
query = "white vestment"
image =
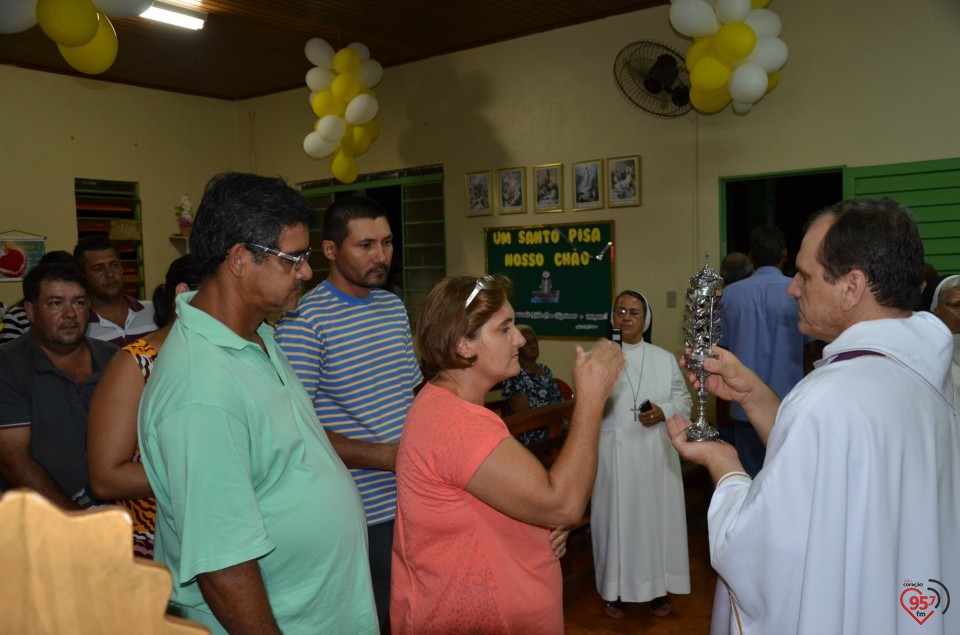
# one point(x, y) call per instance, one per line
point(637, 518)
point(955, 366)
point(854, 516)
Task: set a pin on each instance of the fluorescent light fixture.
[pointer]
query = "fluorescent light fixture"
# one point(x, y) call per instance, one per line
point(175, 15)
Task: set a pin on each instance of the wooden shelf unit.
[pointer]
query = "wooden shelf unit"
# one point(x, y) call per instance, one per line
point(112, 208)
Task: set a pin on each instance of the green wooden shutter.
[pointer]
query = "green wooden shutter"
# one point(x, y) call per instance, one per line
point(931, 190)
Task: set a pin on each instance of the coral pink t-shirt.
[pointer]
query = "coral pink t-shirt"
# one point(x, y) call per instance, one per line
point(460, 566)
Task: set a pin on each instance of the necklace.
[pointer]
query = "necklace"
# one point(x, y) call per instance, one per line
point(636, 391)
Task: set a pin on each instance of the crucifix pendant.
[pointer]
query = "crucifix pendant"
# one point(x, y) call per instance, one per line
point(636, 412)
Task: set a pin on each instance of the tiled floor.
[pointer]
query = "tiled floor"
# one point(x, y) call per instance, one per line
point(583, 607)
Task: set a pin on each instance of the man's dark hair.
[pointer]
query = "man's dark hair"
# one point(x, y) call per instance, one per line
point(91, 242)
point(734, 267)
point(767, 245)
point(336, 219)
point(880, 238)
point(61, 256)
point(242, 208)
point(50, 272)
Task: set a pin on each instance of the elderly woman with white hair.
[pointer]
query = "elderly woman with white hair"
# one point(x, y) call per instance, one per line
point(946, 306)
point(638, 519)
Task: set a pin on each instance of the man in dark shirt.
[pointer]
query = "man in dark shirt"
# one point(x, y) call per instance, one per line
point(47, 378)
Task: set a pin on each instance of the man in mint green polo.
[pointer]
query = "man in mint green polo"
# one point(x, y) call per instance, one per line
point(259, 520)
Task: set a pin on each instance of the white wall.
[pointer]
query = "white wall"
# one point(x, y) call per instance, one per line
point(867, 82)
point(55, 128)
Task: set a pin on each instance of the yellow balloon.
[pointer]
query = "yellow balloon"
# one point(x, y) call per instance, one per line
point(347, 61)
point(68, 22)
point(709, 103)
point(701, 46)
point(735, 41)
point(345, 87)
point(95, 56)
point(772, 80)
point(709, 75)
point(324, 103)
point(373, 129)
point(355, 141)
point(759, 4)
point(344, 167)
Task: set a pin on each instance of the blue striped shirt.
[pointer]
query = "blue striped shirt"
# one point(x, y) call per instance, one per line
point(355, 359)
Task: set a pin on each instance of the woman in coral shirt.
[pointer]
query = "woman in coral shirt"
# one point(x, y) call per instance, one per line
point(473, 547)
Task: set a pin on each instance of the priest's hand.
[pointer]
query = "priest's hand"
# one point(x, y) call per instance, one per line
point(717, 456)
point(729, 379)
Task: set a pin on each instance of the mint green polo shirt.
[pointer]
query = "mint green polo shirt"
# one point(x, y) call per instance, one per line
point(242, 472)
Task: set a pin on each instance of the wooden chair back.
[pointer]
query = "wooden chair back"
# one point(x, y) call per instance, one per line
point(74, 572)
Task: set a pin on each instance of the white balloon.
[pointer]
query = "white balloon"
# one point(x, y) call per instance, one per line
point(693, 18)
point(319, 52)
point(317, 147)
point(331, 128)
point(122, 8)
point(748, 83)
point(740, 107)
point(764, 22)
point(319, 78)
point(370, 73)
point(361, 109)
point(770, 54)
point(18, 15)
point(313, 93)
point(360, 48)
point(732, 10)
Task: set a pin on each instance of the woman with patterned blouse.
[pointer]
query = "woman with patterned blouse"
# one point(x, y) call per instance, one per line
point(113, 455)
point(533, 387)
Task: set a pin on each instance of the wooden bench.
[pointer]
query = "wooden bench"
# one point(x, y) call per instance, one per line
point(555, 418)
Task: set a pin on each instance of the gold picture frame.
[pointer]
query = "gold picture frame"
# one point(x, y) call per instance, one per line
point(512, 190)
point(546, 188)
point(479, 193)
point(588, 185)
point(623, 181)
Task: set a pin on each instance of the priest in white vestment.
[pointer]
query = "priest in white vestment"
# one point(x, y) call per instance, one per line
point(637, 514)
point(853, 524)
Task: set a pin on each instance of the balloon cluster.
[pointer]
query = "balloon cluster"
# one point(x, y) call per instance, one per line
point(736, 55)
point(341, 96)
point(80, 28)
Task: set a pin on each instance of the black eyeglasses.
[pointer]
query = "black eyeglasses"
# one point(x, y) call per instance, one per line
point(296, 260)
point(483, 282)
point(631, 312)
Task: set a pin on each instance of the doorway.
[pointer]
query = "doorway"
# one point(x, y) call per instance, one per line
point(786, 200)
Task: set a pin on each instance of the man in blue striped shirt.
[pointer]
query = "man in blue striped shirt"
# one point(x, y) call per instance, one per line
point(349, 342)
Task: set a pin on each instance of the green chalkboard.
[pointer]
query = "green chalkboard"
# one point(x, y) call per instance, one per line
point(562, 275)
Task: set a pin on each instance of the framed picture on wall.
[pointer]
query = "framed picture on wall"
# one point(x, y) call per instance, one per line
point(547, 188)
point(588, 184)
point(479, 199)
point(512, 186)
point(623, 181)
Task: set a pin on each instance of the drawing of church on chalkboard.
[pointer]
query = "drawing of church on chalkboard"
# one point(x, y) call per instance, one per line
point(546, 293)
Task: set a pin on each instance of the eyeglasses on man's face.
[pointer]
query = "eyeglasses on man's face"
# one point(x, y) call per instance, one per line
point(631, 312)
point(483, 282)
point(297, 260)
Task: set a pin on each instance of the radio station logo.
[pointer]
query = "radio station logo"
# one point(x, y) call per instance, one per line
point(922, 600)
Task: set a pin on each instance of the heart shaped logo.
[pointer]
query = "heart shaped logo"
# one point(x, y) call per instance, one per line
point(917, 605)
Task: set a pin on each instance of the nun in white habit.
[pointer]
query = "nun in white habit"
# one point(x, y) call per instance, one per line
point(637, 517)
